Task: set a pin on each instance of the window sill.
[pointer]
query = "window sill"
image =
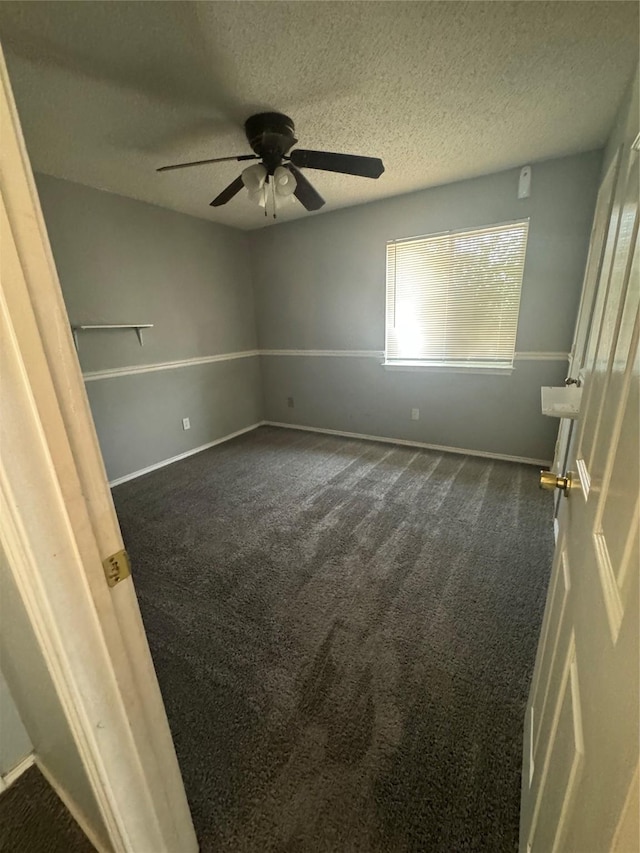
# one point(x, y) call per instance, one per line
point(425, 367)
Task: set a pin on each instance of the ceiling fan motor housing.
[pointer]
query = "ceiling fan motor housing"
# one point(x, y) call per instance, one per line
point(270, 135)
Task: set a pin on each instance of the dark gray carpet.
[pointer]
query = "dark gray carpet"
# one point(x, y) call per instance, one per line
point(344, 634)
point(34, 820)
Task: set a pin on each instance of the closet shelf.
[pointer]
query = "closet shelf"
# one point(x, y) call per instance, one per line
point(87, 327)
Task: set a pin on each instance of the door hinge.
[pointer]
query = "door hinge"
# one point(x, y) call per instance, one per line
point(116, 567)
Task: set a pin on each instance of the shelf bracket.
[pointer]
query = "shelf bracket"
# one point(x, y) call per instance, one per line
point(88, 327)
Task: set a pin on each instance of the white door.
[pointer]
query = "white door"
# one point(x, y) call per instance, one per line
point(580, 767)
point(58, 529)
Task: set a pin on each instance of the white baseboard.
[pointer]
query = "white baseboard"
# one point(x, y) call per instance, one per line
point(442, 448)
point(10, 777)
point(439, 447)
point(72, 807)
point(184, 455)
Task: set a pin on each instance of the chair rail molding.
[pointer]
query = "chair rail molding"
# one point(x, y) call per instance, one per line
point(133, 369)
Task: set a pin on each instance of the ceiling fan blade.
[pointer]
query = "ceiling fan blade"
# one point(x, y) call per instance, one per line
point(308, 197)
point(228, 193)
point(347, 164)
point(204, 162)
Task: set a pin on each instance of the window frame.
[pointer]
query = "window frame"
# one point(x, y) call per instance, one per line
point(432, 366)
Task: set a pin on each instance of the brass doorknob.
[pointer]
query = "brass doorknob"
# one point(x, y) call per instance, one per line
point(550, 481)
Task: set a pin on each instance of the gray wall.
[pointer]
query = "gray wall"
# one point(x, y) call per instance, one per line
point(124, 261)
point(320, 284)
point(14, 740)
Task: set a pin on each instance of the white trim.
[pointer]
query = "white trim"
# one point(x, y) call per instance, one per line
point(70, 804)
point(345, 353)
point(184, 455)
point(330, 353)
point(93, 375)
point(440, 447)
point(541, 356)
point(556, 530)
point(130, 370)
point(413, 367)
point(11, 775)
point(485, 454)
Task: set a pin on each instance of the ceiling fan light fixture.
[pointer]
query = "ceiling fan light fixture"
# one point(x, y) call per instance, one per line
point(284, 181)
point(254, 177)
point(259, 196)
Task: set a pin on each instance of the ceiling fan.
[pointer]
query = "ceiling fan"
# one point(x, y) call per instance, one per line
point(271, 136)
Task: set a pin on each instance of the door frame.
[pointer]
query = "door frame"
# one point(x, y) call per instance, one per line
point(59, 525)
point(595, 257)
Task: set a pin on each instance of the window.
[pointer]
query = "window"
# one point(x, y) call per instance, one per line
point(453, 298)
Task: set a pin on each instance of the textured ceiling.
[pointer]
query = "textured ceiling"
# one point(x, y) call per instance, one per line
point(108, 91)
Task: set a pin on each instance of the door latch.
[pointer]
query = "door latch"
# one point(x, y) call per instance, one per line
point(551, 481)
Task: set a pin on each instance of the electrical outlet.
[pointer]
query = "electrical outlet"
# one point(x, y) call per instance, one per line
point(415, 414)
point(290, 402)
point(186, 423)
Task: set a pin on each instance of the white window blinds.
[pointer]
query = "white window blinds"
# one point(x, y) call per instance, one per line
point(453, 298)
